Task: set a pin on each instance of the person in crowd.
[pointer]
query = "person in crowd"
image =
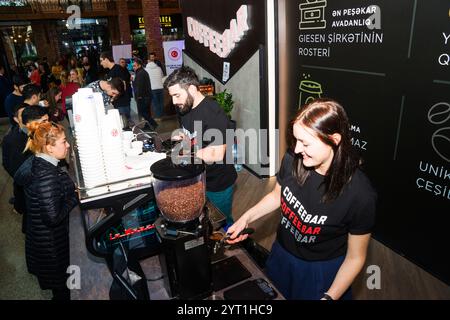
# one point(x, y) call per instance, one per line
point(328, 208)
point(143, 94)
point(46, 76)
point(122, 102)
point(34, 76)
point(6, 87)
point(15, 98)
point(31, 94)
point(110, 90)
point(193, 107)
point(50, 196)
point(15, 140)
point(72, 77)
point(84, 59)
point(55, 112)
point(76, 77)
point(63, 62)
point(89, 73)
point(14, 143)
point(73, 64)
point(64, 77)
point(68, 87)
point(152, 58)
point(57, 69)
point(123, 63)
point(45, 63)
point(156, 80)
point(15, 150)
point(91, 59)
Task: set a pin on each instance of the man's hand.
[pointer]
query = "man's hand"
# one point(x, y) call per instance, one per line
point(212, 154)
point(178, 137)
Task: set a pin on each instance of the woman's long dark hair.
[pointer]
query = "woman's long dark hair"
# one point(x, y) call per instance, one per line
point(52, 103)
point(326, 117)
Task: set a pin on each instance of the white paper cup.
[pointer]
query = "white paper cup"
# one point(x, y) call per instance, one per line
point(137, 145)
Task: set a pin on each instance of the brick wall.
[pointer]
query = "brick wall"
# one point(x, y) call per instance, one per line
point(113, 28)
point(7, 46)
point(45, 39)
point(150, 10)
point(124, 22)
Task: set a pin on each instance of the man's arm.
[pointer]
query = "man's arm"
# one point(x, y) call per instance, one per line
point(212, 154)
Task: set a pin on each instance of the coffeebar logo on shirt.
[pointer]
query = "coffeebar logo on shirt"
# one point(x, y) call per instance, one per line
point(302, 225)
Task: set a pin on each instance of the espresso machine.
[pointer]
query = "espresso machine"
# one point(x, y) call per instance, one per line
point(183, 228)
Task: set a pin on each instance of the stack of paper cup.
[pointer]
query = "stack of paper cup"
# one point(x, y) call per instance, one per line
point(88, 139)
point(127, 138)
point(99, 106)
point(112, 147)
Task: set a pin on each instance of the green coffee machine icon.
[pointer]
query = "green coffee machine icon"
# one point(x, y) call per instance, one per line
point(309, 90)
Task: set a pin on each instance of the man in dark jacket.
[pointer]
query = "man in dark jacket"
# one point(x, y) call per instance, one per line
point(15, 98)
point(13, 152)
point(5, 87)
point(143, 94)
point(15, 140)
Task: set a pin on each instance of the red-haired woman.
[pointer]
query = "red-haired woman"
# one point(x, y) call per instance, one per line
point(50, 196)
point(327, 205)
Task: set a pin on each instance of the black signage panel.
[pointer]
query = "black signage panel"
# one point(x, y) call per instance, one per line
point(388, 64)
point(221, 35)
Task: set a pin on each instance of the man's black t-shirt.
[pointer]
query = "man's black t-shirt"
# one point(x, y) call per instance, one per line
point(122, 73)
point(313, 230)
point(218, 176)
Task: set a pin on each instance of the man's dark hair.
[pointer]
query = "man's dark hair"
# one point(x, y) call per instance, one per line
point(31, 113)
point(183, 76)
point(117, 84)
point(19, 80)
point(30, 90)
point(107, 55)
point(138, 61)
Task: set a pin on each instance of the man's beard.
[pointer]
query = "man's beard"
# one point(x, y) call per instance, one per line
point(187, 106)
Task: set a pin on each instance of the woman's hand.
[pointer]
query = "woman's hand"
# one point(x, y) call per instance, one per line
point(237, 227)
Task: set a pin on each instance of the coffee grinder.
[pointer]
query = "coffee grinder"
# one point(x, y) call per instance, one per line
point(183, 228)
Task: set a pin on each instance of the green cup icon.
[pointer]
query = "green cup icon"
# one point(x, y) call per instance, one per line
point(309, 90)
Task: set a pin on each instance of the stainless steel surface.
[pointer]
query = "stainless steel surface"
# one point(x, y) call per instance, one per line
point(105, 190)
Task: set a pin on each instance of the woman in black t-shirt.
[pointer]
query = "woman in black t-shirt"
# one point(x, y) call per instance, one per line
point(327, 208)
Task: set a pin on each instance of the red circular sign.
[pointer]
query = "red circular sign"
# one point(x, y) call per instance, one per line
point(114, 132)
point(174, 53)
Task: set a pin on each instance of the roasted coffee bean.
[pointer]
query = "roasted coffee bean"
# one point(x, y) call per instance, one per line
point(182, 203)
